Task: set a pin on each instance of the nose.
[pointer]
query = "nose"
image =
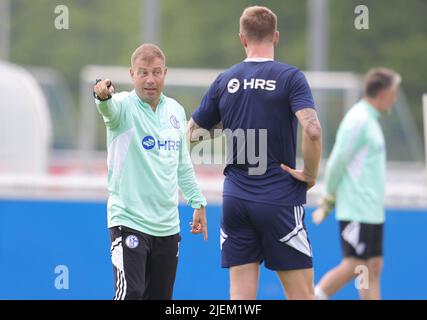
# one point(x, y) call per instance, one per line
point(150, 78)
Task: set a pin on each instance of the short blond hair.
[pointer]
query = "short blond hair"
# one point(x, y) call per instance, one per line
point(258, 24)
point(147, 52)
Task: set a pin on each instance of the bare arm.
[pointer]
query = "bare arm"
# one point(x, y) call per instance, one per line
point(196, 133)
point(311, 141)
point(311, 146)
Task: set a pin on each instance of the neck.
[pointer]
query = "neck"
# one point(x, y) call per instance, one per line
point(152, 104)
point(262, 50)
point(373, 102)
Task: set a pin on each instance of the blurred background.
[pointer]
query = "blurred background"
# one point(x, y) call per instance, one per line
point(52, 141)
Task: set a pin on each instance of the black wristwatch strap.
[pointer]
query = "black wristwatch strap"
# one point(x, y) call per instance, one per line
point(96, 96)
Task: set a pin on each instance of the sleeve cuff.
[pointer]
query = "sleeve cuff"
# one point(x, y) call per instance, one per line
point(198, 204)
point(98, 102)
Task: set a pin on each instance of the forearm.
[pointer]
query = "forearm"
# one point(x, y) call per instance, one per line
point(109, 110)
point(311, 153)
point(188, 184)
point(187, 181)
point(105, 108)
point(196, 133)
point(311, 141)
point(334, 171)
point(350, 138)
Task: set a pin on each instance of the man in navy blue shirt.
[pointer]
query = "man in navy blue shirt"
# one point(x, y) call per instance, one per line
point(259, 103)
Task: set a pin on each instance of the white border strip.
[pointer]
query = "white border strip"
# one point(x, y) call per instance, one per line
point(425, 127)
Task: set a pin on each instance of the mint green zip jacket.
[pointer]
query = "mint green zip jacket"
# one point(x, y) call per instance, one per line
point(355, 171)
point(148, 160)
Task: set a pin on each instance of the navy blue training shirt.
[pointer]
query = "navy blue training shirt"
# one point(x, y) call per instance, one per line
point(259, 97)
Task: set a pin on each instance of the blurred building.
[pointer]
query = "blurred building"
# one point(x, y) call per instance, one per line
point(25, 123)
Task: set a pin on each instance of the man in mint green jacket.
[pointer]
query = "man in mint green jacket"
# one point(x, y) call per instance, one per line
point(355, 181)
point(148, 161)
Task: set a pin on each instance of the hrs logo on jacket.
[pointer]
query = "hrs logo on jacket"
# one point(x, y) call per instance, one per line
point(149, 142)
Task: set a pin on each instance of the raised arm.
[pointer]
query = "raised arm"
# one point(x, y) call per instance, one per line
point(107, 106)
point(311, 146)
point(103, 89)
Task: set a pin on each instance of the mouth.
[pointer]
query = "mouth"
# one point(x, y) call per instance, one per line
point(150, 89)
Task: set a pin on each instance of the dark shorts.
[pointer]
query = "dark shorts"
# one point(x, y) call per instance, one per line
point(144, 266)
point(256, 232)
point(361, 240)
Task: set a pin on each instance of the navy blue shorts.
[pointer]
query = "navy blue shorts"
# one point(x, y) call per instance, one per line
point(256, 232)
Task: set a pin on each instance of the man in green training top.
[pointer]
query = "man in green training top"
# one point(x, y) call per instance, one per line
point(148, 160)
point(355, 180)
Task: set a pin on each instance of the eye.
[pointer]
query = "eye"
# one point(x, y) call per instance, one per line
point(143, 73)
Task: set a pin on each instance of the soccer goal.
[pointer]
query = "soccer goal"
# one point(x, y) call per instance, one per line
point(334, 94)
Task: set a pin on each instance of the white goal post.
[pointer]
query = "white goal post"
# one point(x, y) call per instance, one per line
point(349, 83)
point(405, 186)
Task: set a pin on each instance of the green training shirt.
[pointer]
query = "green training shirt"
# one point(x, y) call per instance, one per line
point(148, 160)
point(355, 172)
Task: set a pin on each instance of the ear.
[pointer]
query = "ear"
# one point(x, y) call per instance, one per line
point(131, 72)
point(381, 95)
point(243, 40)
point(380, 98)
point(276, 38)
point(165, 72)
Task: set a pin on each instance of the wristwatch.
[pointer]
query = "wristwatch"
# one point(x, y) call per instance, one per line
point(96, 96)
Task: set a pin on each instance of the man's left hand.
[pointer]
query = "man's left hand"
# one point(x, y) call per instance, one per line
point(300, 175)
point(200, 224)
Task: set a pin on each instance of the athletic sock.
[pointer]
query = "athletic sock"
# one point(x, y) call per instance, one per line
point(320, 294)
